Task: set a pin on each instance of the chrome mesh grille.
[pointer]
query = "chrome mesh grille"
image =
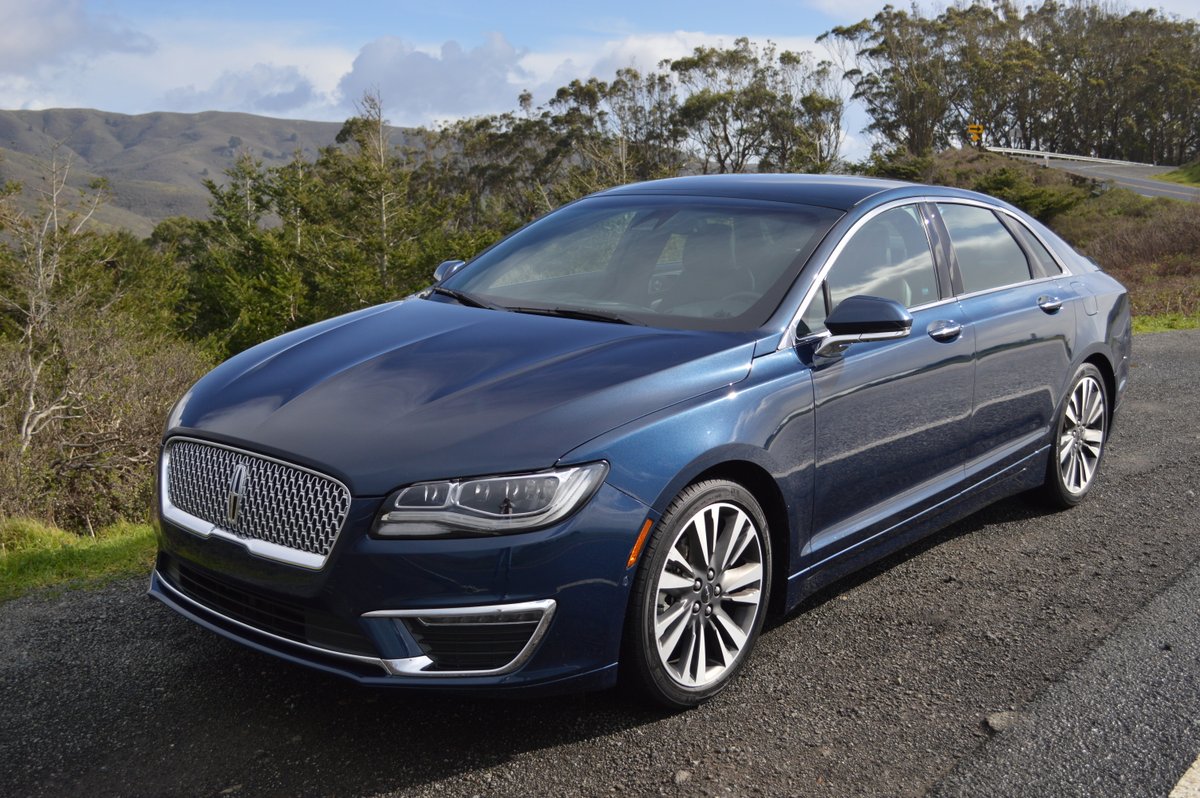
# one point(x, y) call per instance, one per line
point(280, 504)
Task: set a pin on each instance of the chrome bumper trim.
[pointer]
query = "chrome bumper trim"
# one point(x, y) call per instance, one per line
point(408, 666)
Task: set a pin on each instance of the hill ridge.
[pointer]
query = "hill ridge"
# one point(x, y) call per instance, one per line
point(155, 163)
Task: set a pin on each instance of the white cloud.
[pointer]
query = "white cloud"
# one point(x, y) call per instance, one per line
point(644, 51)
point(277, 70)
point(851, 11)
point(421, 84)
point(36, 34)
point(418, 86)
point(262, 89)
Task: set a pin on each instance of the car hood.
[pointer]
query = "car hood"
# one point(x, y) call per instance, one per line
point(421, 389)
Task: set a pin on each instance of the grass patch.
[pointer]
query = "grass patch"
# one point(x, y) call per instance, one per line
point(1164, 322)
point(33, 555)
point(1188, 175)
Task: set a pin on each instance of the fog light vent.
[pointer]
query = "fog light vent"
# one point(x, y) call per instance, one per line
point(484, 640)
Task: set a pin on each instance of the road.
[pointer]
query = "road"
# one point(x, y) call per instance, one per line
point(1015, 631)
point(1135, 178)
point(1138, 178)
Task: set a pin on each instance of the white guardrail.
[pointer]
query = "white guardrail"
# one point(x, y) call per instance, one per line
point(1059, 156)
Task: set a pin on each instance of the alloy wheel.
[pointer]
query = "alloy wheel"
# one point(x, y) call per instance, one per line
point(708, 595)
point(1081, 435)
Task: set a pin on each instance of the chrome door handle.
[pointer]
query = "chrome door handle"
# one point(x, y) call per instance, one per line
point(944, 330)
point(1050, 304)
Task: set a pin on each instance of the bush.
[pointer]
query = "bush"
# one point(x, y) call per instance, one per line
point(91, 362)
point(1150, 245)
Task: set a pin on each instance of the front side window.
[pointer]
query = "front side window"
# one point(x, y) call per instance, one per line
point(988, 255)
point(888, 257)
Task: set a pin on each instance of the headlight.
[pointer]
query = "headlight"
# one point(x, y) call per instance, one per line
point(489, 505)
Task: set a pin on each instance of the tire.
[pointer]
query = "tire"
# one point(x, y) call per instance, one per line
point(1080, 435)
point(700, 595)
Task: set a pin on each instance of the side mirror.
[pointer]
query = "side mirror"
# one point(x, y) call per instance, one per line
point(447, 268)
point(863, 318)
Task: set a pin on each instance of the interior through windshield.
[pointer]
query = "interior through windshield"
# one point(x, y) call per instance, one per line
point(683, 262)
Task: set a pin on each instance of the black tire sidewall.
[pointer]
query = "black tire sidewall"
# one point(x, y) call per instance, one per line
point(640, 653)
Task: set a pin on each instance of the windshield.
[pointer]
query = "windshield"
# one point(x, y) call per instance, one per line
point(670, 261)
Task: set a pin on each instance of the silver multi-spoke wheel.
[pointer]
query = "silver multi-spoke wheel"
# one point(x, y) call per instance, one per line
point(700, 594)
point(1081, 435)
point(708, 594)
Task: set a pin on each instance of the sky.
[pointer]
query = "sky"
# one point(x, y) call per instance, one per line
point(429, 61)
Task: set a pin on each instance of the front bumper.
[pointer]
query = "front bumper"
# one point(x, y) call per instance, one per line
point(542, 608)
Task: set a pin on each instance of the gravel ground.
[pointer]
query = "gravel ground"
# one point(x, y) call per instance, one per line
point(880, 685)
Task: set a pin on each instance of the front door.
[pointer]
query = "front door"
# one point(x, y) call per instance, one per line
point(891, 418)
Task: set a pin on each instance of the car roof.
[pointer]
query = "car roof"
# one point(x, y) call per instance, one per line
point(830, 191)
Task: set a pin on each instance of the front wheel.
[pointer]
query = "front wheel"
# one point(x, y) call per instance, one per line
point(700, 596)
point(1081, 432)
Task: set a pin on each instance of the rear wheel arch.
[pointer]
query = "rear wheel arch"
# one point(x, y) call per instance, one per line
point(1101, 362)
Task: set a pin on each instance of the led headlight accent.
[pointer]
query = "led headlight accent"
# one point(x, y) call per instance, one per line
point(489, 505)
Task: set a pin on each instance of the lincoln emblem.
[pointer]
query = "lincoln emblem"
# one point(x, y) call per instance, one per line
point(237, 491)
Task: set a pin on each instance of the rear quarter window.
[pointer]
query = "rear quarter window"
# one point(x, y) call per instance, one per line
point(1038, 251)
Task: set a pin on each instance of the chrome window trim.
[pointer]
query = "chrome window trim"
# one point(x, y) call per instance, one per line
point(789, 338)
point(415, 666)
point(1008, 286)
point(205, 529)
point(407, 666)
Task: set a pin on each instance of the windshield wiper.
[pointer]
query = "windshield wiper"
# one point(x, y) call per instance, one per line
point(578, 313)
point(464, 298)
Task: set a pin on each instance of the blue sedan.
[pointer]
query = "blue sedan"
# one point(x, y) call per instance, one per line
point(607, 444)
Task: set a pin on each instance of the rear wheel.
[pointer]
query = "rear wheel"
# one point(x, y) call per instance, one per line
point(700, 597)
point(1080, 435)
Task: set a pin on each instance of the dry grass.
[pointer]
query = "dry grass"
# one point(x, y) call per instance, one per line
point(1150, 245)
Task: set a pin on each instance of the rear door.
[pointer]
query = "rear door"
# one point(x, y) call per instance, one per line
point(1024, 329)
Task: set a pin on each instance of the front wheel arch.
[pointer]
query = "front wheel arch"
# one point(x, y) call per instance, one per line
point(765, 490)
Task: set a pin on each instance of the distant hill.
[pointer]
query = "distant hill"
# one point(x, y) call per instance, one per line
point(155, 163)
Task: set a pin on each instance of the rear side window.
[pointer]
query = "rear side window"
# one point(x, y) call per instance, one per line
point(988, 255)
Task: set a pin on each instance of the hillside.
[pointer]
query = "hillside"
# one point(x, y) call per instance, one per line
point(155, 163)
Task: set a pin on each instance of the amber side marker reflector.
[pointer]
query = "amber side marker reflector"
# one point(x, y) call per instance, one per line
point(636, 551)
